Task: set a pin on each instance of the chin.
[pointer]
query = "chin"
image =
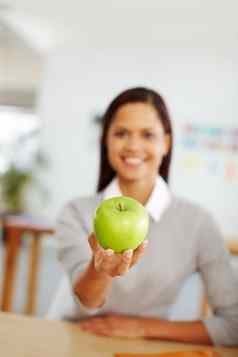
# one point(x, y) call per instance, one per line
point(131, 176)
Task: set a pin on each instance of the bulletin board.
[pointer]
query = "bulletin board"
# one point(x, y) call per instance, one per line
point(206, 170)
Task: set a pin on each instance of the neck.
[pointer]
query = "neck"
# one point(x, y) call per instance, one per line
point(140, 190)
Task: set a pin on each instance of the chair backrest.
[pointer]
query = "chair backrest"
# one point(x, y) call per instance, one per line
point(232, 246)
point(14, 226)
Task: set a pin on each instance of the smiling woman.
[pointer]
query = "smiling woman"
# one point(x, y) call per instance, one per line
point(137, 143)
point(133, 291)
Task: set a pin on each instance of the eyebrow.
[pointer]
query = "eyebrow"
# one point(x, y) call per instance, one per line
point(142, 129)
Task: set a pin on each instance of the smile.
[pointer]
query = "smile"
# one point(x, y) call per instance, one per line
point(133, 161)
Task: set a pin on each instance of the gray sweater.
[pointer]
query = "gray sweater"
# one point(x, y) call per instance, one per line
point(185, 240)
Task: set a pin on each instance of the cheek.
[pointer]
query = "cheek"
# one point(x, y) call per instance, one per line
point(113, 148)
point(156, 151)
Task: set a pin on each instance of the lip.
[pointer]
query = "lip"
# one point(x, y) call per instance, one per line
point(132, 165)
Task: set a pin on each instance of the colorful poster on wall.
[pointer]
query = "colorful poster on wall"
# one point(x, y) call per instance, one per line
point(210, 149)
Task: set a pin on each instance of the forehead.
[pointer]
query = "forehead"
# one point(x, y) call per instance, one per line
point(137, 115)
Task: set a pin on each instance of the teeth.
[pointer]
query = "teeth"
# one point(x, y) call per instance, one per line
point(133, 160)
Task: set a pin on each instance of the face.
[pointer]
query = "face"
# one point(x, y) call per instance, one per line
point(136, 142)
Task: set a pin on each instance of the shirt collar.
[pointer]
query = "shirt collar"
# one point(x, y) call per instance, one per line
point(157, 202)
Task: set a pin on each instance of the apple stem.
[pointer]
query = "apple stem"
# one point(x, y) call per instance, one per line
point(120, 207)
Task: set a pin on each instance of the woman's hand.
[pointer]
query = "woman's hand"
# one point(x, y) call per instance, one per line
point(94, 284)
point(114, 264)
point(114, 326)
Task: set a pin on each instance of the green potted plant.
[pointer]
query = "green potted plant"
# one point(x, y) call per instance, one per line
point(14, 183)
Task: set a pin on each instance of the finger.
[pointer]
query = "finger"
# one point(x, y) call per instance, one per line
point(100, 331)
point(84, 325)
point(125, 262)
point(108, 260)
point(88, 324)
point(104, 260)
point(98, 259)
point(92, 329)
point(138, 252)
point(96, 326)
point(95, 246)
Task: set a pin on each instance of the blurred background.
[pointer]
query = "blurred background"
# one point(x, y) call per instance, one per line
point(61, 63)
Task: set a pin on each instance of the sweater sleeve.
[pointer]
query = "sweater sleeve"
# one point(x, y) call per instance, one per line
point(74, 255)
point(221, 284)
point(73, 248)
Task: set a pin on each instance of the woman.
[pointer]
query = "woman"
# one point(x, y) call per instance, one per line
point(130, 294)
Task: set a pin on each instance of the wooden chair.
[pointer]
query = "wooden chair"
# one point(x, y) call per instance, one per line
point(14, 226)
point(232, 246)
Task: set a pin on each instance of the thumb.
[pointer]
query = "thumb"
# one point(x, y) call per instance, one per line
point(93, 242)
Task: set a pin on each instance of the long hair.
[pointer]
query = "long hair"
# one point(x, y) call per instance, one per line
point(133, 95)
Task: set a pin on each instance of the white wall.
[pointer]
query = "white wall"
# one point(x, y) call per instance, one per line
point(199, 84)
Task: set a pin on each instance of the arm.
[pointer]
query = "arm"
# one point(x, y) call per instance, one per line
point(131, 327)
point(94, 284)
point(89, 285)
point(180, 331)
point(222, 290)
point(91, 271)
point(221, 285)
point(93, 287)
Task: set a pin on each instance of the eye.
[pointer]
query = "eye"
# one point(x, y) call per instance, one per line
point(148, 135)
point(120, 133)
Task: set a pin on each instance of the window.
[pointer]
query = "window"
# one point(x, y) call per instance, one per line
point(19, 138)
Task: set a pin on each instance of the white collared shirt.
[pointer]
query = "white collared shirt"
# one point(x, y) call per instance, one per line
point(157, 202)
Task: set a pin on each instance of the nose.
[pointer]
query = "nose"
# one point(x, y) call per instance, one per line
point(133, 143)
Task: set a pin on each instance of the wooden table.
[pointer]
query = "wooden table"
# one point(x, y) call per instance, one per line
point(22, 336)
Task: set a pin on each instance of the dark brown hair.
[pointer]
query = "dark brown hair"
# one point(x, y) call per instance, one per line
point(133, 95)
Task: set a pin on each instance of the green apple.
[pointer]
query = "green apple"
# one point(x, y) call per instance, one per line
point(121, 223)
